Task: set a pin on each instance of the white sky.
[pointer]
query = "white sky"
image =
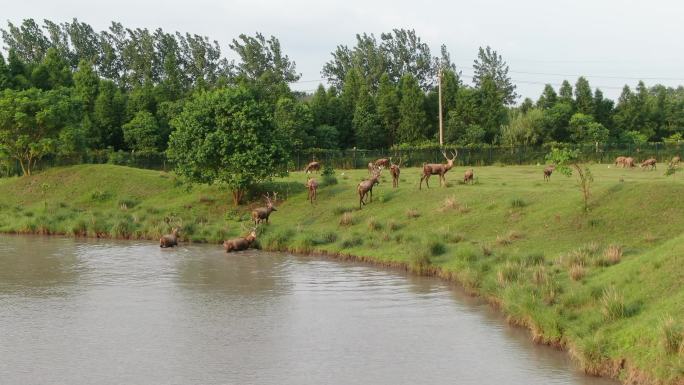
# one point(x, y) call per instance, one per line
point(610, 42)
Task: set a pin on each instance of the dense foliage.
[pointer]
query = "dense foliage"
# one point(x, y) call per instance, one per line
point(68, 90)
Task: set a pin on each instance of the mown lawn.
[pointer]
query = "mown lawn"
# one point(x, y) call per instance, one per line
point(603, 284)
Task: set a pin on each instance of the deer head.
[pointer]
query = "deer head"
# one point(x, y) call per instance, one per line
point(450, 162)
point(270, 203)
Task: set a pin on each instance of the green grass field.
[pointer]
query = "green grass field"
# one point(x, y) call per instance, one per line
point(608, 285)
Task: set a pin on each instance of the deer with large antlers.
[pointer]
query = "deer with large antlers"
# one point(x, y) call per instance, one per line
point(395, 170)
point(262, 213)
point(312, 186)
point(240, 243)
point(437, 169)
point(382, 162)
point(366, 187)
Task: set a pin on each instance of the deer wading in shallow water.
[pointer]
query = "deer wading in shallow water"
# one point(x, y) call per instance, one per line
point(366, 187)
point(261, 214)
point(169, 240)
point(437, 169)
point(240, 243)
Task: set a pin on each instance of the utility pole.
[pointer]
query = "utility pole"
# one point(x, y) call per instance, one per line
point(439, 87)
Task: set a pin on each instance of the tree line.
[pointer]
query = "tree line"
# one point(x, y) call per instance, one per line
point(66, 90)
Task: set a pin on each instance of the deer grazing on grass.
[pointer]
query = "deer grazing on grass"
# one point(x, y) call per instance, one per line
point(382, 162)
point(468, 177)
point(240, 243)
point(675, 161)
point(313, 166)
point(650, 162)
point(262, 213)
point(548, 170)
point(437, 169)
point(312, 186)
point(628, 162)
point(620, 161)
point(395, 170)
point(169, 240)
point(366, 187)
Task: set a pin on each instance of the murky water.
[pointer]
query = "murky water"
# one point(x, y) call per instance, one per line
point(105, 312)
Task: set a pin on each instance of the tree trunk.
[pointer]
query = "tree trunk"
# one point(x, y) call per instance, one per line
point(238, 194)
point(23, 168)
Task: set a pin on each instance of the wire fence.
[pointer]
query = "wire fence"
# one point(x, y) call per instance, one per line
point(357, 158)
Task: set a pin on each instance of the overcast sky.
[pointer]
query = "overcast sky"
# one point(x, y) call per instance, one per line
point(612, 42)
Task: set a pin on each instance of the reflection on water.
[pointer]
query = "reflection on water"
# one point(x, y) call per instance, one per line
point(105, 312)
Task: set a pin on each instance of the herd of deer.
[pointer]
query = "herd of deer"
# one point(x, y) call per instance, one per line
point(365, 188)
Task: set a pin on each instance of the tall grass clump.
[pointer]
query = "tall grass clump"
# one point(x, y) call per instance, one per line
point(374, 224)
point(611, 256)
point(612, 304)
point(510, 272)
point(278, 240)
point(577, 271)
point(591, 354)
point(518, 203)
point(436, 247)
point(672, 334)
point(352, 241)
point(347, 219)
point(122, 228)
point(419, 259)
point(412, 213)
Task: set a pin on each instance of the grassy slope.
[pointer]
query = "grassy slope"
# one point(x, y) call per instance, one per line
point(510, 237)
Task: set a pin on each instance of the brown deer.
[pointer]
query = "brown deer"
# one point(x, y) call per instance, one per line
point(312, 186)
point(262, 213)
point(169, 240)
point(313, 166)
point(548, 170)
point(620, 161)
point(650, 162)
point(468, 177)
point(628, 162)
point(395, 170)
point(382, 162)
point(240, 243)
point(366, 187)
point(371, 168)
point(437, 169)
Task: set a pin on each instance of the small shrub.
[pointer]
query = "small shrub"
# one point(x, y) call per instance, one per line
point(100, 195)
point(466, 253)
point(127, 203)
point(347, 219)
point(531, 259)
point(591, 354)
point(577, 272)
point(79, 228)
point(412, 213)
point(393, 225)
point(612, 255)
point(278, 240)
point(303, 245)
point(326, 238)
point(419, 260)
point(540, 276)
point(518, 203)
point(373, 224)
point(436, 247)
point(352, 241)
point(672, 334)
point(509, 273)
point(612, 304)
point(575, 257)
point(122, 228)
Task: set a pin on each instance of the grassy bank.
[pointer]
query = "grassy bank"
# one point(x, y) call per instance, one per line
point(607, 285)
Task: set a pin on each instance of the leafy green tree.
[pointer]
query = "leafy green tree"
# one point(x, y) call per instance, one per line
point(18, 71)
point(294, 120)
point(490, 65)
point(603, 109)
point(5, 78)
point(406, 54)
point(566, 162)
point(526, 105)
point(557, 121)
point(27, 40)
point(348, 99)
point(227, 136)
point(326, 137)
point(565, 93)
point(584, 101)
point(523, 129)
point(411, 111)
point(491, 109)
point(53, 72)
point(141, 134)
point(369, 133)
point(30, 123)
point(583, 129)
point(548, 98)
point(318, 105)
point(388, 108)
point(108, 117)
point(86, 83)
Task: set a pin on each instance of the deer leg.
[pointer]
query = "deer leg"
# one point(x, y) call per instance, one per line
point(371, 194)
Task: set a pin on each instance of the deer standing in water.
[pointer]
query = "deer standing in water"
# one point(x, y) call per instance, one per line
point(169, 240)
point(395, 170)
point(366, 187)
point(262, 213)
point(240, 243)
point(437, 169)
point(312, 186)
